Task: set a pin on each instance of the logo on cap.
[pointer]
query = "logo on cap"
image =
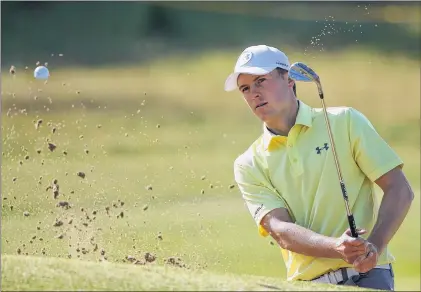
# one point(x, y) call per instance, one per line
point(282, 64)
point(245, 58)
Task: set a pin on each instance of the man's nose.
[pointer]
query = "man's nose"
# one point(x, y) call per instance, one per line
point(255, 91)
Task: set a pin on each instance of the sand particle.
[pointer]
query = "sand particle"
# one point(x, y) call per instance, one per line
point(81, 174)
point(51, 146)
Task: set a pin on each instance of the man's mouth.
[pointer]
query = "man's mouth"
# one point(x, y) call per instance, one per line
point(261, 104)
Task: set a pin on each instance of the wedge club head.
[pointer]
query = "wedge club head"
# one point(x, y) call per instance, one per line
point(298, 76)
point(301, 72)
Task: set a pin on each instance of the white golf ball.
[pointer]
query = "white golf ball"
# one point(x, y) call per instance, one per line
point(41, 72)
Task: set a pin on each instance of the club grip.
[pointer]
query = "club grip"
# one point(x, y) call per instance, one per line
point(352, 225)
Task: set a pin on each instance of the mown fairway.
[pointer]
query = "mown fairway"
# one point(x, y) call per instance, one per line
point(157, 144)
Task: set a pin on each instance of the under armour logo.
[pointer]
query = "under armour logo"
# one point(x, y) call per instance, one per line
point(244, 58)
point(319, 150)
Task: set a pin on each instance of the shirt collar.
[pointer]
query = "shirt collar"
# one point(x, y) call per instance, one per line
point(304, 117)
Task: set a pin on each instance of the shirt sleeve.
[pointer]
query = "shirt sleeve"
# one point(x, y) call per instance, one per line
point(259, 195)
point(371, 152)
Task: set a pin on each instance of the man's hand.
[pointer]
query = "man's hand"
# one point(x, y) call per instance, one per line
point(368, 261)
point(351, 248)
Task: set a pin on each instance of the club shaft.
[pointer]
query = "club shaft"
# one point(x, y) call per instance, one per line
point(307, 74)
point(351, 219)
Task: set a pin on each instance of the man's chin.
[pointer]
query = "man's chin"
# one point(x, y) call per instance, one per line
point(264, 117)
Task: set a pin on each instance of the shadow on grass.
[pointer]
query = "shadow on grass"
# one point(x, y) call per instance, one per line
point(269, 286)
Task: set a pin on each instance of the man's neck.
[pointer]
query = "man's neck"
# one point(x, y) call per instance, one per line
point(286, 121)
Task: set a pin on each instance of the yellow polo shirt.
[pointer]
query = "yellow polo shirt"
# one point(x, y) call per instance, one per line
point(298, 173)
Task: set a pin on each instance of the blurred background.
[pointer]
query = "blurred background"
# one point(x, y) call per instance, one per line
point(135, 101)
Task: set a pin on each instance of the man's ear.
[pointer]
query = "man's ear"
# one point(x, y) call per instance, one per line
point(291, 82)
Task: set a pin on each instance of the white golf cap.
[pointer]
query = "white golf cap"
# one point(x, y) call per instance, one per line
point(257, 60)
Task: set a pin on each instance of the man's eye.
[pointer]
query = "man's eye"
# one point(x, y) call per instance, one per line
point(260, 80)
point(244, 89)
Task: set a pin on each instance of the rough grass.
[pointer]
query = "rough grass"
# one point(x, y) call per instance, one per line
point(35, 273)
point(186, 161)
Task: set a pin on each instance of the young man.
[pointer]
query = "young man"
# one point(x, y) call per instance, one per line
point(289, 182)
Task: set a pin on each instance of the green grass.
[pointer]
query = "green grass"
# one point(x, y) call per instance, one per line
point(202, 130)
point(35, 273)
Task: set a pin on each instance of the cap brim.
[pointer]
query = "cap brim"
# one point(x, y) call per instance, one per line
point(231, 81)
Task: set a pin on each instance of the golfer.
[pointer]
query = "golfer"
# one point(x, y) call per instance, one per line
point(289, 182)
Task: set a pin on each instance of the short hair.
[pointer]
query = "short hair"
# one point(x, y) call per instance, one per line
point(283, 72)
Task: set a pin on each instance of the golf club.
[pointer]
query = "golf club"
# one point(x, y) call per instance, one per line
point(301, 72)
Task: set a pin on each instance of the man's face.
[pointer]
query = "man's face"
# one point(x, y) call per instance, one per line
point(267, 94)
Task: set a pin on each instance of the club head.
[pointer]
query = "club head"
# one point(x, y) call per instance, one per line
point(297, 76)
point(301, 72)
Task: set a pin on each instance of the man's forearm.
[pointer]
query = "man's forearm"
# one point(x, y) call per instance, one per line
point(301, 240)
point(393, 210)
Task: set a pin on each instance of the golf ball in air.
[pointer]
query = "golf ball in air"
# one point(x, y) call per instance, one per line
point(41, 72)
